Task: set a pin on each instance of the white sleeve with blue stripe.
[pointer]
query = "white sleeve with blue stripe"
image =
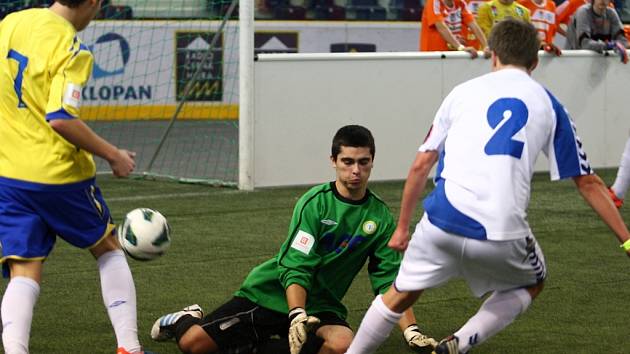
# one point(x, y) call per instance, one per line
point(566, 157)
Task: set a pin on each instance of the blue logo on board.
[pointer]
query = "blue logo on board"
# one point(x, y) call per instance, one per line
point(117, 55)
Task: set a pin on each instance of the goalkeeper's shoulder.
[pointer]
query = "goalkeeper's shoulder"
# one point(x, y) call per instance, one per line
point(315, 192)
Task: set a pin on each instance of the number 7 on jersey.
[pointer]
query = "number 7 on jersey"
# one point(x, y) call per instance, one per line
point(17, 83)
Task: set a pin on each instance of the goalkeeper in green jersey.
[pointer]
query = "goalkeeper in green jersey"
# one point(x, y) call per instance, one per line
point(292, 302)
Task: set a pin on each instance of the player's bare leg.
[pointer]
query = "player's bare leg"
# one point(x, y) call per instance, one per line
point(336, 338)
point(29, 269)
point(119, 292)
point(398, 301)
point(17, 304)
point(196, 341)
point(109, 243)
point(535, 290)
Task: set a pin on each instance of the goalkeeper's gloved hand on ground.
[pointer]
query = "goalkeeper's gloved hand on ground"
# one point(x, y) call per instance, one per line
point(417, 341)
point(618, 48)
point(301, 324)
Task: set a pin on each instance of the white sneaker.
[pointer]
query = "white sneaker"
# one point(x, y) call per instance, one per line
point(164, 327)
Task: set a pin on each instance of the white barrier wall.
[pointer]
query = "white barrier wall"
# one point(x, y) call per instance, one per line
point(146, 64)
point(302, 99)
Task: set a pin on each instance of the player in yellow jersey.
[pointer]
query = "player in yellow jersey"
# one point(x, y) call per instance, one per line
point(47, 184)
point(493, 11)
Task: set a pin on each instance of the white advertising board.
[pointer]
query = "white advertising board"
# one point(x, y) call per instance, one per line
point(141, 67)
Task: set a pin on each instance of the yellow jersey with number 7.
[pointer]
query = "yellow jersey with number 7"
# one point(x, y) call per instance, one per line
point(43, 68)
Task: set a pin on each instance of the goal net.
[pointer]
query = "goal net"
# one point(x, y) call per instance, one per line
point(164, 84)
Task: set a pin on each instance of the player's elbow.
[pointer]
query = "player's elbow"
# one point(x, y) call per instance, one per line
point(424, 162)
point(58, 125)
point(588, 182)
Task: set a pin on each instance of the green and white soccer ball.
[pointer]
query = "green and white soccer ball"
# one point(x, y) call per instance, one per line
point(145, 234)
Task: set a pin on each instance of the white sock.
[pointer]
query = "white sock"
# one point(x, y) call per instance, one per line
point(17, 314)
point(496, 313)
point(119, 296)
point(620, 187)
point(375, 327)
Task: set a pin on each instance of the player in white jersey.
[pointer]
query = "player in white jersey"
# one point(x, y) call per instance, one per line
point(486, 136)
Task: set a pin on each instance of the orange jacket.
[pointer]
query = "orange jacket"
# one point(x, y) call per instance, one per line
point(543, 17)
point(455, 18)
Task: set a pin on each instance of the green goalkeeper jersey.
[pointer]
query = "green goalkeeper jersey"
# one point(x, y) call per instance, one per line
point(330, 239)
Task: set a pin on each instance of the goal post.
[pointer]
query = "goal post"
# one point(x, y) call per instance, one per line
point(246, 90)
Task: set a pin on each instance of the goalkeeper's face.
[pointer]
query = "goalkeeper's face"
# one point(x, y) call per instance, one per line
point(353, 166)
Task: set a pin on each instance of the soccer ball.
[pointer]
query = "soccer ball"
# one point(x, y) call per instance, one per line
point(145, 234)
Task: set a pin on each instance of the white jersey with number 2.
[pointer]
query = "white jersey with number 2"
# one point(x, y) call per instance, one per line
point(489, 132)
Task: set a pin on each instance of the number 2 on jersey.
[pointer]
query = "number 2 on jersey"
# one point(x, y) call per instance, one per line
point(502, 142)
point(17, 84)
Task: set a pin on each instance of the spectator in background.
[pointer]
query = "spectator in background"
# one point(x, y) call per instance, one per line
point(469, 37)
point(442, 24)
point(543, 17)
point(493, 11)
point(262, 10)
point(597, 27)
point(565, 10)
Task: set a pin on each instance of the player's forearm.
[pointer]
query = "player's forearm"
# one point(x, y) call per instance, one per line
point(590, 44)
point(296, 296)
point(621, 37)
point(561, 30)
point(411, 193)
point(79, 134)
point(593, 190)
point(414, 186)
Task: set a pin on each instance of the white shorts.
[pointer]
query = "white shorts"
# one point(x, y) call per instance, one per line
point(435, 256)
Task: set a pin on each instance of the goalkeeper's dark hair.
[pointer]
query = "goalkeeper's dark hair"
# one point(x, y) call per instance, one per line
point(71, 3)
point(515, 42)
point(352, 136)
